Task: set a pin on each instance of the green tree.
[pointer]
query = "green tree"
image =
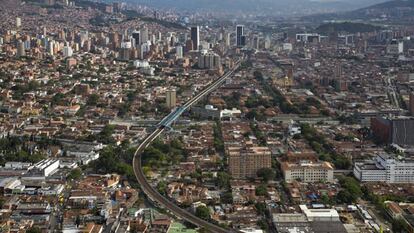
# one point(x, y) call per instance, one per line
point(345, 197)
point(261, 208)
point(75, 174)
point(58, 99)
point(203, 212)
point(223, 179)
point(92, 100)
point(399, 225)
point(261, 190)
point(34, 230)
point(266, 174)
point(162, 187)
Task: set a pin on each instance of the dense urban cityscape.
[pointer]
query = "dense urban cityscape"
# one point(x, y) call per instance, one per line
point(122, 116)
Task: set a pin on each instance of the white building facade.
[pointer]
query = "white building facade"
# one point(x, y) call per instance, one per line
point(384, 168)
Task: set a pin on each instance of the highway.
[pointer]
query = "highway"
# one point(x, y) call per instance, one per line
point(164, 124)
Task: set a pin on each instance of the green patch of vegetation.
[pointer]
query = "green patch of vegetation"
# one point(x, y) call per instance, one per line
point(75, 174)
point(267, 174)
point(115, 159)
point(324, 149)
point(20, 89)
point(261, 138)
point(203, 212)
point(261, 190)
point(160, 153)
point(218, 137)
point(21, 150)
point(351, 190)
point(346, 27)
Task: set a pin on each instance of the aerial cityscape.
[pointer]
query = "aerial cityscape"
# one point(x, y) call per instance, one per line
point(206, 116)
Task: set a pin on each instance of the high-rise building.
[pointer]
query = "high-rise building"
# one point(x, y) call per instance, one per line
point(67, 51)
point(227, 40)
point(171, 98)
point(50, 2)
point(256, 42)
point(209, 61)
point(179, 51)
point(395, 47)
point(124, 54)
point(114, 37)
point(411, 104)
point(393, 130)
point(136, 37)
point(195, 37)
point(240, 39)
point(21, 52)
point(245, 162)
point(51, 48)
point(18, 22)
point(144, 35)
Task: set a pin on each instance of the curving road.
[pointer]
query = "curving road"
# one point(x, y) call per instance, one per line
point(150, 191)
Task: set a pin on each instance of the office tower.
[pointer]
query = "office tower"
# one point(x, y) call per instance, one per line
point(245, 162)
point(21, 52)
point(411, 107)
point(171, 98)
point(195, 37)
point(67, 51)
point(240, 36)
point(179, 51)
point(136, 37)
point(144, 35)
point(18, 22)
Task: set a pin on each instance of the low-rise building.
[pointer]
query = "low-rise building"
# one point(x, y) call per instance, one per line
point(385, 168)
point(306, 171)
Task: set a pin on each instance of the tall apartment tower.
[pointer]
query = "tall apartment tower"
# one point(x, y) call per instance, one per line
point(240, 39)
point(171, 98)
point(195, 37)
point(144, 35)
point(411, 107)
point(245, 162)
point(18, 22)
point(20, 49)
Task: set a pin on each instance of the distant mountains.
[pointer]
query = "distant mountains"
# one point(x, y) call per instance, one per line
point(268, 7)
point(396, 11)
